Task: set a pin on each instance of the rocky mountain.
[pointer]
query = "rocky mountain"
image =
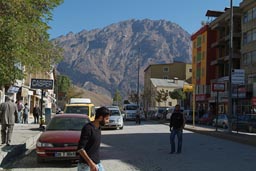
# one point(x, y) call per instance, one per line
point(106, 60)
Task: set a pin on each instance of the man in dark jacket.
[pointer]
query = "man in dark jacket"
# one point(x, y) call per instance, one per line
point(89, 143)
point(8, 114)
point(177, 123)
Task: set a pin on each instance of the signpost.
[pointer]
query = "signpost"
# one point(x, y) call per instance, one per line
point(217, 87)
point(42, 84)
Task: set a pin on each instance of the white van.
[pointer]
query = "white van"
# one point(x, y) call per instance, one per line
point(130, 111)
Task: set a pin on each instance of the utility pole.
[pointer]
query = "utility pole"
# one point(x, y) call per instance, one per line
point(230, 101)
point(138, 84)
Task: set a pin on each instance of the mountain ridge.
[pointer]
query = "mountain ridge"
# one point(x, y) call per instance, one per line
point(105, 60)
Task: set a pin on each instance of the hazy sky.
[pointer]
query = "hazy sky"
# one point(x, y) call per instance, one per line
point(77, 15)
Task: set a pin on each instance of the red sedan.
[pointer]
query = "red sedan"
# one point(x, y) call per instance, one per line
point(60, 139)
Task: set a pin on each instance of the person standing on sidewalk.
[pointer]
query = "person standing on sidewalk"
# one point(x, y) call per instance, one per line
point(36, 113)
point(25, 113)
point(89, 143)
point(177, 123)
point(8, 114)
point(20, 107)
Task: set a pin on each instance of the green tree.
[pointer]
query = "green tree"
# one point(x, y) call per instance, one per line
point(158, 97)
point(177, 94)
point(63, 83)
point(165, 95)
point(162, 96)
point(24, 40)
point(117, 99)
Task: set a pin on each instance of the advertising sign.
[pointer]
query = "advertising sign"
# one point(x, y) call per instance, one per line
point(237, 76)
point(41, 83)
point(218, 87)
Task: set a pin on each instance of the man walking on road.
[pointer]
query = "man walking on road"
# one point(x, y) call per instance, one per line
point(177, 123)
point(8, 114)
point(89, 143)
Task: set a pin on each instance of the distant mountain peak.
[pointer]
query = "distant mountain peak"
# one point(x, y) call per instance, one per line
point(106, 60)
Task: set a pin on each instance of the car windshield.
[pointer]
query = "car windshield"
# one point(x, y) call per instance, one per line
point(114, 113)
point(67, 123)
point(131, 107)
point(77, 109)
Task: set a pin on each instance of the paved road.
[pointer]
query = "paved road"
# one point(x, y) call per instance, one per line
point(145, 147)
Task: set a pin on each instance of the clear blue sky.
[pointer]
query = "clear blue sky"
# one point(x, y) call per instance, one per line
point(77, 15)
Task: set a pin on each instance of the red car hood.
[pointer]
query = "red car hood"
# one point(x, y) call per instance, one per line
point(60, 136)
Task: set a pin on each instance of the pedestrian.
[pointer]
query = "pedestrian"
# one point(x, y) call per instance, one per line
point(137, 119)
point(8, 114)
point(25, 114)
point(177, 123)
point(20, 107)
point(36, 113)
point(89, 143)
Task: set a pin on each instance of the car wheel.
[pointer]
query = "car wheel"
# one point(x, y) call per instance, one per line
point(250, 129)
point(121, 127)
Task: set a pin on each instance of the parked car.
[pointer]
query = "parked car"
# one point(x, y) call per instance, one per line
point(222, 121)
point(206, 119)
point(60, 139)
point(116, 118)
point(188, 114)
point(245, 122)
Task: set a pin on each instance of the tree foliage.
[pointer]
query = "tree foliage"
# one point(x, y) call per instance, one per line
point(24, 40)
point(162, 96)
point(158, 97)
point(63, 83)
point(177, 94)
point(117, 98)
point(133, 97)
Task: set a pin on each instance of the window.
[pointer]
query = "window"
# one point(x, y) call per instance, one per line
point(190, 70)
point(165, 77)
point(166, 69)
point(199, 41)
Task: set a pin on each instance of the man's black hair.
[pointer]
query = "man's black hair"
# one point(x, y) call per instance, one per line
point(102, 111)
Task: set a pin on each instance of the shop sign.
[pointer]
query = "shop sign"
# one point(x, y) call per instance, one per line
point(41, 83)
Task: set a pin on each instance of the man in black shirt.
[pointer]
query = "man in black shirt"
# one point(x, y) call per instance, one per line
point(177, 123)
point(89, 143)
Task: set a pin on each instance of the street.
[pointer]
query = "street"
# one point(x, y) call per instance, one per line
point(146, 147)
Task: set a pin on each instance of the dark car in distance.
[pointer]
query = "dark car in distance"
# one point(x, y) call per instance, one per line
point(245, 122)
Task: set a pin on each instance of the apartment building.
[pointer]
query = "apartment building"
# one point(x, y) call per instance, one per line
point(248, 53)
point(202, 71)
point(212, 43)
point(224, 52)
point(172, 71)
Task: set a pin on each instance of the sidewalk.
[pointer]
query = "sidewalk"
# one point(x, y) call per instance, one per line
point(23, 138)
point(240, 137)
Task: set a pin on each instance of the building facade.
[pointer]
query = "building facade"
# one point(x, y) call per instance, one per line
point(172, 71)
point(248, 54)
point(202, 70)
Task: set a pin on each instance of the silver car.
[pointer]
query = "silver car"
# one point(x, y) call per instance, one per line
point(222, 121)
point(116, 118)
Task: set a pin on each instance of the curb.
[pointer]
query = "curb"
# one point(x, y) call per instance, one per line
point(9, 153)
point(230, 136)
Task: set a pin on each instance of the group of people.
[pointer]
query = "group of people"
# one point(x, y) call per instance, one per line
point(11, 113)
point(23, 113)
